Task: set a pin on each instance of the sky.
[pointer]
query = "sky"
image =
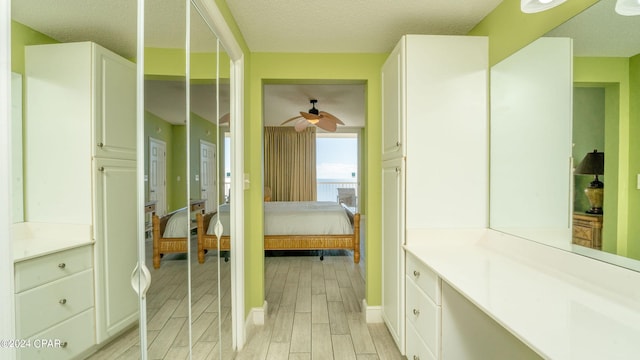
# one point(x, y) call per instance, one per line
point(336, 158)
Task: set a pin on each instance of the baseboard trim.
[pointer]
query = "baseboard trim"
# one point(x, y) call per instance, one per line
point(372, 314)
point(254, 320)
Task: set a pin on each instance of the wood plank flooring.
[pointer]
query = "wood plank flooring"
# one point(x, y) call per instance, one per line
point(313, 313)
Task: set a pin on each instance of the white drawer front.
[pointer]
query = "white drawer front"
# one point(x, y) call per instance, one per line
point(44, 306)
point(416, 349)
point(63, 341)
point(424, 315)
point(425, 278)
point(44, 269)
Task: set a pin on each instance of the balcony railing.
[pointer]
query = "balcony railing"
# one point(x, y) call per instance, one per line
point(327, 189)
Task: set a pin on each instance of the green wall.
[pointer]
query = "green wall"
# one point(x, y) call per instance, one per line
point(509, 29)
point(633, 248)
point(612, 74)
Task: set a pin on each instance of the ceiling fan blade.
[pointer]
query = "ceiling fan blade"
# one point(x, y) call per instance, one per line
point(332, 117)
point(301, 125)
point(225, 119)
point(289, 120)
point(327, 125)
point(309, 116)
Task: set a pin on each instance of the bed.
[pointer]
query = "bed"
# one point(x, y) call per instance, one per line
point(171, 231)
point(296, 225)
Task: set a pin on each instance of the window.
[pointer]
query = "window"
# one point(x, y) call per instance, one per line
point(336, 164)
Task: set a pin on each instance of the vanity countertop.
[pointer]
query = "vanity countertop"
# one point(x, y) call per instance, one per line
point(562, 305)
point(37, 239)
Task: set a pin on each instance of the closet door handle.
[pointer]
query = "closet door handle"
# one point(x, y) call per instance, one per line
point(415, 357)
point(64, 344)
point(416, 312)
point(62, 301)
point(100, 145)
point(416, 273)
point(62, 265)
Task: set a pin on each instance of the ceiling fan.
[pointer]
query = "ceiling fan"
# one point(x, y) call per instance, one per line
point(321, 119)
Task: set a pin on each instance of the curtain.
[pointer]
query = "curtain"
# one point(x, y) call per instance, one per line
point(290, 163)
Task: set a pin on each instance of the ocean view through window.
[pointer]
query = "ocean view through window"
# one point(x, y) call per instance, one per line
point(336, 165)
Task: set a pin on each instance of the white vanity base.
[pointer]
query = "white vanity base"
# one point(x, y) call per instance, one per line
point(559, 304)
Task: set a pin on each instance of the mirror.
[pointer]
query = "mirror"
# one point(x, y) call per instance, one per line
point(210, 272)
point(17, 209)
point(605, 59)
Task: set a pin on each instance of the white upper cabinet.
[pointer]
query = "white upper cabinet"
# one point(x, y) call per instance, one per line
point(393, 84)
point(115, 114)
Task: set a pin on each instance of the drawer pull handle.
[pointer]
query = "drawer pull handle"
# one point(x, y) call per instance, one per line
point(62, 301)
point(63, 344)
point(416, 273)
point(62, 265)
point(416, 312)
point(416, 357)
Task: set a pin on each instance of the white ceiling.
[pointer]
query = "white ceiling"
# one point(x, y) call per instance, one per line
point(600, 31)
point(355, 26)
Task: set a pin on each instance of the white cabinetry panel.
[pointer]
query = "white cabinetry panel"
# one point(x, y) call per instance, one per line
point(88, 175)
point(434, 121)
point(393, 259)
point(116, 302)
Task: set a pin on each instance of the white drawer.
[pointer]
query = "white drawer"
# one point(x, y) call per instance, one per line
point(425, 278)
point(46, 305)
point(416, 349)
point(424, 315)
point(63, 341)
point(44, 269)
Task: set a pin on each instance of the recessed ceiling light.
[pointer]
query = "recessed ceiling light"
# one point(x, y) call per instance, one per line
point(534, 6)
point(628, 7)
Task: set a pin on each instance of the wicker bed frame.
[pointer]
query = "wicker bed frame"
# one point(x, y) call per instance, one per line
point(284, 242)
point(162, 245)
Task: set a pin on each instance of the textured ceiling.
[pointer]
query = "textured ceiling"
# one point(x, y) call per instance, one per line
point(600, 31)
point(299, 26)
point(371, 26)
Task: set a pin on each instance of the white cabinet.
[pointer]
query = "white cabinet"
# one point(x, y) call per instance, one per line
point(80, 162)
point(392, 259)
point(54, 299)
point(423, 311)
point(434, 121)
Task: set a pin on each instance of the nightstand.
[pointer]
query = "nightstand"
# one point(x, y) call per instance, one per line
point(587, 230)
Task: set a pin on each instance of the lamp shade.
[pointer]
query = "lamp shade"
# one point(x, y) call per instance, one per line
point(628, 7)
point(592, 164)
point(534, 6)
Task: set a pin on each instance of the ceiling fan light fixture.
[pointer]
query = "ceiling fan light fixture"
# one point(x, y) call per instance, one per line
point(628, 7)
point(534, 6)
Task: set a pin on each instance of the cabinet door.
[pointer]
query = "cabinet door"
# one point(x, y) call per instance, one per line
point(115, 105)
point(392, 253)
point(392, 104)
point(116, 249)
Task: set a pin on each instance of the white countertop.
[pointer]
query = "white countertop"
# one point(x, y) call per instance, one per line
point(562, 305)
point(37, 239)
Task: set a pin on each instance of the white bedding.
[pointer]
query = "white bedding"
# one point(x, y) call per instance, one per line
point(177, 225)
point(296, 218)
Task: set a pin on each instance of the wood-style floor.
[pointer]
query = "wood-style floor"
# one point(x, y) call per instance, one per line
point(313, 313)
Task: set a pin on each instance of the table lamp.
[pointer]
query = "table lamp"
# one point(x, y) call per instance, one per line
point(593, 164)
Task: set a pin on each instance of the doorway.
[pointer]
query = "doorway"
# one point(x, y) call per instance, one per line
point(208, 175)
point(158, 174)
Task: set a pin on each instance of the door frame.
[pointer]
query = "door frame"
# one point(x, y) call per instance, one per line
point(214, 178)
point(159, 210)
